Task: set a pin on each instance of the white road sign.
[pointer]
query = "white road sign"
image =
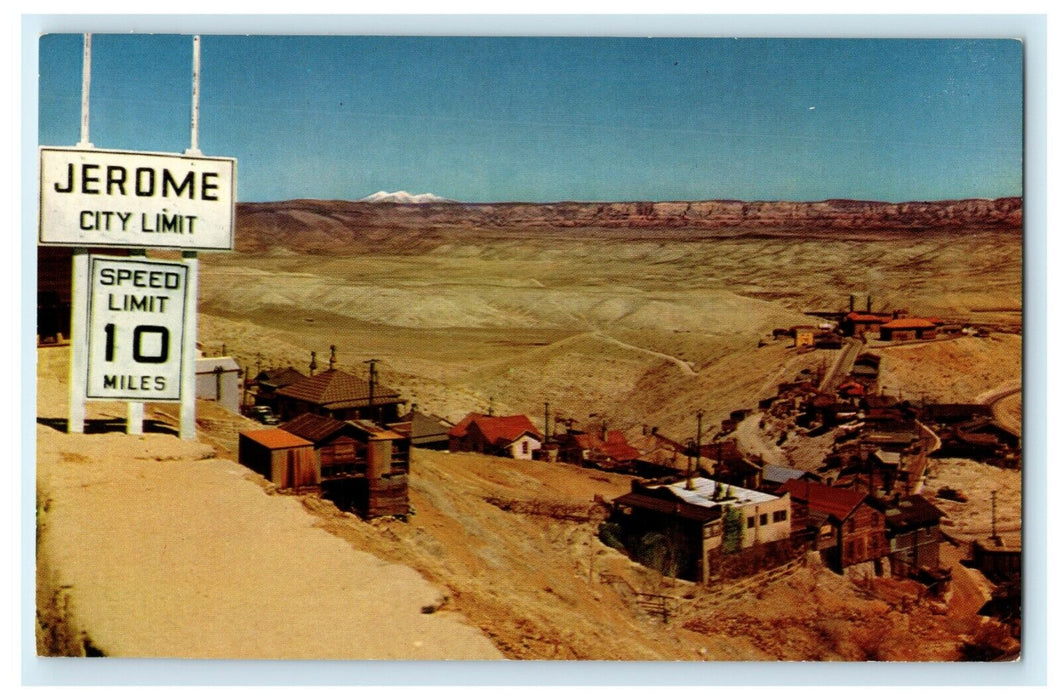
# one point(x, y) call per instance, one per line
point(135, 329)
point(91, 197)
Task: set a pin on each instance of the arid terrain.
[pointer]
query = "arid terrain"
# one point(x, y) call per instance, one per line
point(636, 326)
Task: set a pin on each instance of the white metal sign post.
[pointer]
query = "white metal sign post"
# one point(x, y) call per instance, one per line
point(133, 321)
point(136, 329)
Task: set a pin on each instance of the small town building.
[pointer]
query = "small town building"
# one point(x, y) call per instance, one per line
point(219, 379)
point(999, 560)
point(838, 522)
point(908, 329)
point(339, 453)
point(658, 455)
point(774, 476)
point(340, 395)
point(667, 533)
point(268, 381)
point(505, 436)
point(284, 459)
point(911, 525)
point(857, 323)
point(424, 430)
point(603, 449)
point(679, 527)
point(764, 517)
point(803, 336)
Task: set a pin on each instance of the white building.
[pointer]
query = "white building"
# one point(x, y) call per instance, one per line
point(218, 379)
point(767, 518)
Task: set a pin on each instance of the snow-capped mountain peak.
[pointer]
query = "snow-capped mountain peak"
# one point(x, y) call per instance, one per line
point(403, 197)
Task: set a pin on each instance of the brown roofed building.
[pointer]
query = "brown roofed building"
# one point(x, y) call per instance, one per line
point(838, 522)
point(909, 329)
point(339, 395)
point(339, 453)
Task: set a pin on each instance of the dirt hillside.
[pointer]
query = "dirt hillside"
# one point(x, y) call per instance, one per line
point(150, 546)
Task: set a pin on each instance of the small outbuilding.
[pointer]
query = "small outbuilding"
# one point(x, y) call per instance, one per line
point(219, 379)
point(284, 459)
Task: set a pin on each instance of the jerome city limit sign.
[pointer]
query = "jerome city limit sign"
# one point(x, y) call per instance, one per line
point(103, 198)
point(136, 329)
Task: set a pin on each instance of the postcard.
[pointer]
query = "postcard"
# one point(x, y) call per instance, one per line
point(396, 347)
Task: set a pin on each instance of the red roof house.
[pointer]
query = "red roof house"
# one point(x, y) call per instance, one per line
point(507, 436)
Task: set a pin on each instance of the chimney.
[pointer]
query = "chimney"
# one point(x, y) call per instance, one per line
point(851, 302)
point(869, 304)
point(332, 360)
point(604, 431)
point(312, 362)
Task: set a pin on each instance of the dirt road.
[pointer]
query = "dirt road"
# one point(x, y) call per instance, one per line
point(149, 546)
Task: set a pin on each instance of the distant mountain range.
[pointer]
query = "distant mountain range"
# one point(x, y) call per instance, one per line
point(399, 220)
point(403, 197)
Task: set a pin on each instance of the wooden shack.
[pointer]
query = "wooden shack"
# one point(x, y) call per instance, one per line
point(284, 459)
point(838, 522)
point(339, 453)
point(912, 528)
point(385, 488)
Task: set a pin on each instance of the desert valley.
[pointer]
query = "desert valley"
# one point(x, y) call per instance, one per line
point(646, 319)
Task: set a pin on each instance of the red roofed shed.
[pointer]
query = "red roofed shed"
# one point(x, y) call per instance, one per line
point(284, 459)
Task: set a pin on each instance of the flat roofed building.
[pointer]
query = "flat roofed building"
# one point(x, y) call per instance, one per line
point(766, 516)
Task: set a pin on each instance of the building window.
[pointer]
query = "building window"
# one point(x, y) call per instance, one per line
point(526, 447)
point(851, 525)
point(780, 516)
point(751, 522)
point(764, 519)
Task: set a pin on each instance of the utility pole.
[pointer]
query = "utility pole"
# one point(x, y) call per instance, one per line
point(699, 436)
point(371, 387)
point(689, 465)
point(994, 525)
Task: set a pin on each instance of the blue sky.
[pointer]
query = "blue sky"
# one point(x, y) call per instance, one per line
point(484, 119)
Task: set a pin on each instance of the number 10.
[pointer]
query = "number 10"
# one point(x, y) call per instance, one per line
point(138, 335)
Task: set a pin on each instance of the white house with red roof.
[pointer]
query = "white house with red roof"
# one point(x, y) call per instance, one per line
point(506, 436)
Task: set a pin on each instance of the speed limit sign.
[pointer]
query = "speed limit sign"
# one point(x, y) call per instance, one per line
point(135, 329)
